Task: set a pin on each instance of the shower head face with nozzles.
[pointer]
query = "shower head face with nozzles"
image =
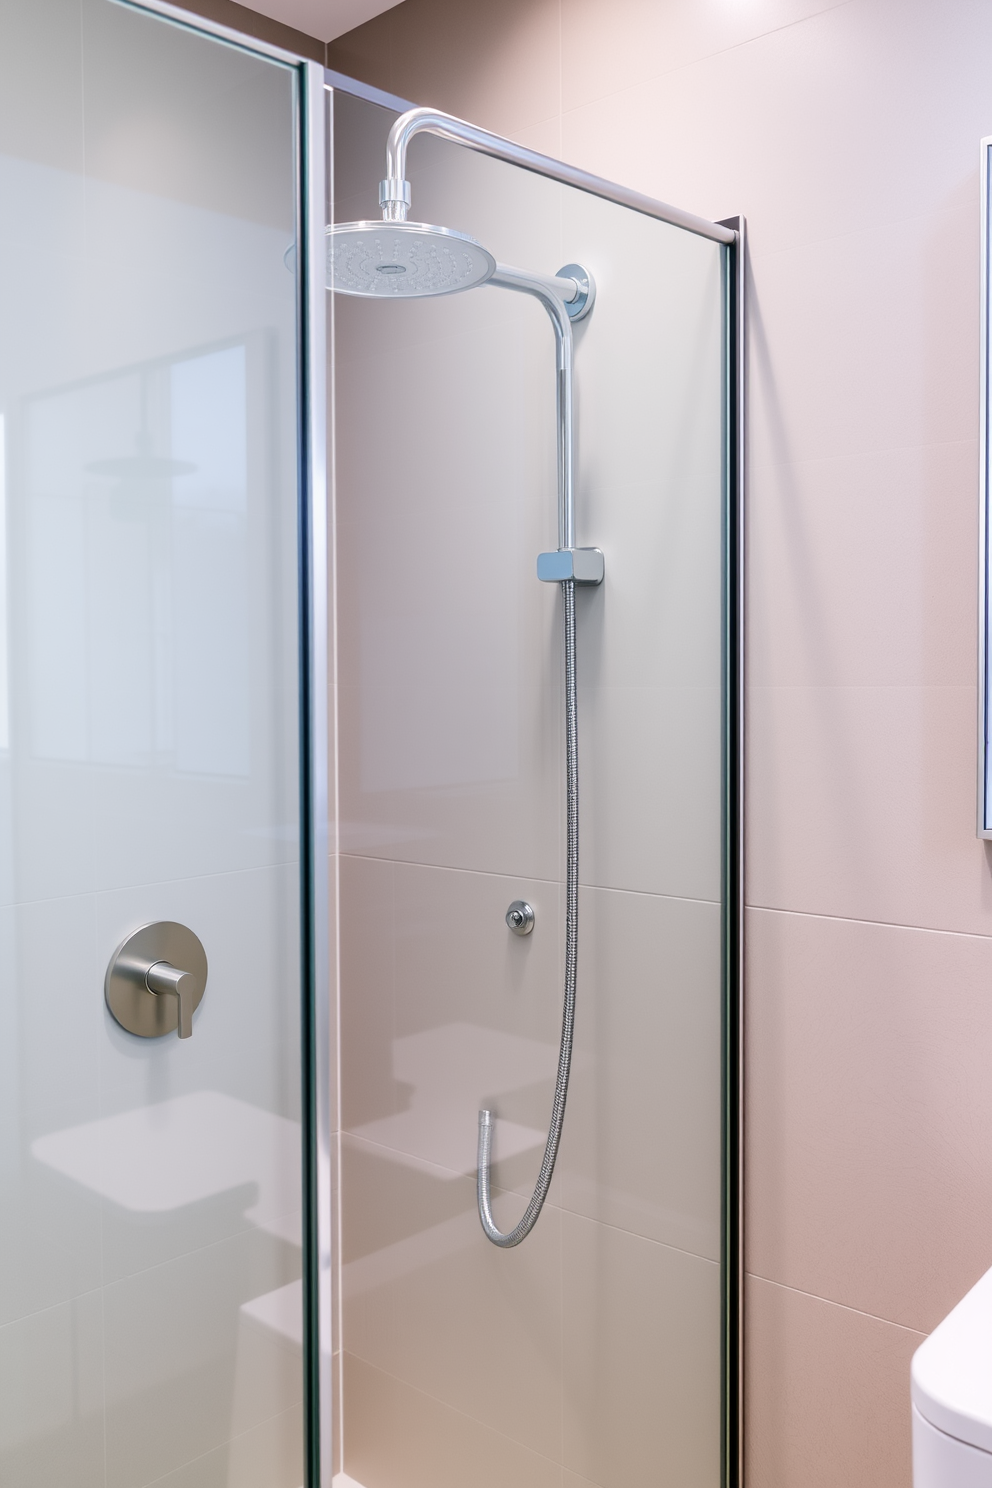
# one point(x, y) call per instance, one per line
point(403, 260)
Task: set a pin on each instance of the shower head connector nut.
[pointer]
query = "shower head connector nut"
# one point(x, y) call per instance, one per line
point(520, 917)
point(581, 305)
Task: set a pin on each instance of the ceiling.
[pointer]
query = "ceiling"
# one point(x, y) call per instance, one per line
point(324, 19)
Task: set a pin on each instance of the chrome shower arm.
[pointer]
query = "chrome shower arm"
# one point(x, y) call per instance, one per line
point(553, 295)
point(394, 191)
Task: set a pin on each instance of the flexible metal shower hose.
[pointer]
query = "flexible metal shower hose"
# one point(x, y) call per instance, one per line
point(527, 1223)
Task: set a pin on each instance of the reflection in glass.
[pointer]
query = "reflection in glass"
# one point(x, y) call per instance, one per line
point(4, 694)
point(137, 509)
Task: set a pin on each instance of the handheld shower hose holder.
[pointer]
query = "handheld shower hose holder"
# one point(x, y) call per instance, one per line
point(584, 565)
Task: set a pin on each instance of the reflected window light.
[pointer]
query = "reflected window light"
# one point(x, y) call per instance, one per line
point(137, 507)
point(4, 688)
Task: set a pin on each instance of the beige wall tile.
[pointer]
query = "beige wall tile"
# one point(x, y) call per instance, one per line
point(828, 1394)
point(268, 1456)
point(911, 381)
point(863, 570)
point(399, 1437)
point(641, 1145)
point(475, 1022)
point(52, 1396)
point(641, 1331)
point(476, 1327)
point(854, 117)
point(368, 963)
point(646, 39)
point(868, 1113)
point(169, 1332)
point(862, 803)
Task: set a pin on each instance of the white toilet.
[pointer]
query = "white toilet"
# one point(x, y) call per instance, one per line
point(952, 1397)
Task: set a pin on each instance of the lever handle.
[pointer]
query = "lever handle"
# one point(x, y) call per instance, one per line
point(168, 981)
point(156, 980)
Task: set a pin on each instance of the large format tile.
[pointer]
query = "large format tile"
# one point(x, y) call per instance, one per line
point(51, 1397)
point(398, 1437)
point(186, 1367)
point(50, 1238)
point(641, 1144)
point(429, 1300)
point(862, 569)
point(369, 1089)
point(855, 152)
point(647, 40)
point(650, 788)
point(641, 1336)
point(445, 1011)
point(270, 1455)
point(827, 1393)
point(913, 380)
point(863, 802)
point(458, 761)
point(868, 1113)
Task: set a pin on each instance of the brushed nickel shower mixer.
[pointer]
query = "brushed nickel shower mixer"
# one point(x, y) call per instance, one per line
point(156, 980)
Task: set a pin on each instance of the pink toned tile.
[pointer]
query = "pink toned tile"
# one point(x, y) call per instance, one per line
point(544, 136)
point(883, 104)
point(369, 1090)
point(862, 569)
point(476, 1022)
point(641, 1145)
point(476, 1327)
point(641, 1330)
point(399, 1437)
point(863, 803)
point(645, 39)
point(450, 737)
point(869, 1114)
point(896, 356)
point(827, 1394)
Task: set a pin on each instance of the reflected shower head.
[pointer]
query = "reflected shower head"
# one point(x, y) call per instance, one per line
point(403, 260)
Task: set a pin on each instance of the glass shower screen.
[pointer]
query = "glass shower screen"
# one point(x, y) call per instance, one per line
point(151, 1315)
point(595, 1352)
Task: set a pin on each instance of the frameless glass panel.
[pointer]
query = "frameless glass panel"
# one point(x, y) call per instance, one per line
point(150, 1188)
point(590, 1354)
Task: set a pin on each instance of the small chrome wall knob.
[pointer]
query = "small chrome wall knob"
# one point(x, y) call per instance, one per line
point(156, 979)
point(520, 917)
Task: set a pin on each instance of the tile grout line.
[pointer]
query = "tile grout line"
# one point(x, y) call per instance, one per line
point(528, 877)
point(812, 914)
point(831, 1302)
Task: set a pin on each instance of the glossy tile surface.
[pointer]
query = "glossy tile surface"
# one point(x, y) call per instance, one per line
point(641, 1347)
point(399, 1435)
point(860, 1190)
point(429, 1300)
point(827, 1393)
point(641, 1149)
point(149, 1189)
point(52, 1394)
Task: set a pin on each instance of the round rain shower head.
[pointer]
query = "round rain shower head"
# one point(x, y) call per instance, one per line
point(403, 260)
